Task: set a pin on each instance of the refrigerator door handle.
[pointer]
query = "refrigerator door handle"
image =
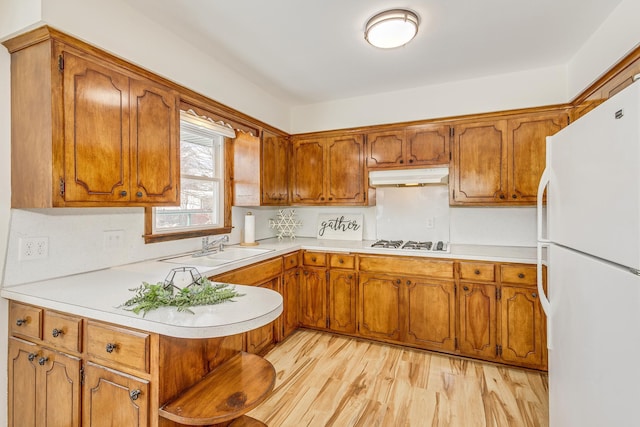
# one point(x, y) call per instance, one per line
point(544, 301)
point(544, 182)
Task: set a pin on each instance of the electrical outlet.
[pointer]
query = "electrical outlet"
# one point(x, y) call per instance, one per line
point(431, 222)
point(113, 239)
point(33, 248)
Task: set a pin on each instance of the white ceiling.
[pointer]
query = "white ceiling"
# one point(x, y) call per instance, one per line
point(309, 51)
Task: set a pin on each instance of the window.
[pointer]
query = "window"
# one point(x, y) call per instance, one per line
point(202, 184)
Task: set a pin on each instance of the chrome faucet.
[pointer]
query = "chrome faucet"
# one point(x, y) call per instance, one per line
point(215, 245)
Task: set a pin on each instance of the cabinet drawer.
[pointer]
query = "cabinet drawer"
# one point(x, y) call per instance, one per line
point(342, 261)
point(291, 260)
point(252, 274)
point(518, 274)
point(62, 330)
point(478, 271)
point(317, 259)
point(407, 266)
point(25, 320)
point(120, 346)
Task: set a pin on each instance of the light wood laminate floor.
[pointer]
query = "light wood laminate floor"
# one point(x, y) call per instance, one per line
point(331, 380)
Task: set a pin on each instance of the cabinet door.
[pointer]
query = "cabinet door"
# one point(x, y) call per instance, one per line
point(155, 157)
point(262, 337)
point(427, 145)
point(96, 132)
point(342, 301)
point(59, 385)
point(290, 286)
point(44, 386)
point(521, 326)
point(23, 370)
point(345, 176)
point(385, 149)
point(479, 162)
point(478, 319)
point(307, 181)
point(379, 306)
point(313, 298)
point(527, 153)
point(430, 314)
point(275, 169)
point(106, 389)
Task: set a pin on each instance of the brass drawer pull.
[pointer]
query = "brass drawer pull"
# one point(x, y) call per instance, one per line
point(477, 272)
point(521, 275)
point(57, 332)
point(110, 347)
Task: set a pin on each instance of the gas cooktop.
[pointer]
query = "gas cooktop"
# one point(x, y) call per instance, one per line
point(429, 246)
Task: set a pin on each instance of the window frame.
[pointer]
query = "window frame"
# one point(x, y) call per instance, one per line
point(151, 237)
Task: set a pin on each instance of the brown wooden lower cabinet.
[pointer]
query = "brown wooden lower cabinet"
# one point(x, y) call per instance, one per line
point(261, 338)
point(502, 321)
point(379, 299)
point(477, 313)
point(430, 314)
point(290, 286)
point(106, 389)
point(409, 309)
point(522, 326)
point(313, 297)
point(44, 386)
point(266, 274)
point(342, 301)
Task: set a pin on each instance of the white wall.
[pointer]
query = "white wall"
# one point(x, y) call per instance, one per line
point(118, 28)
point(544, 86)
point(617, 36)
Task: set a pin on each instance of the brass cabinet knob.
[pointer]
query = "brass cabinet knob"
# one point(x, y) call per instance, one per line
point(134, 394)
point(123, 193)
point(521, 275)
point(477, 272)
point(466, 288)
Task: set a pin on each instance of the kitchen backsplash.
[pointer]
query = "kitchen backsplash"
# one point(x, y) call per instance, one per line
point(76, 237)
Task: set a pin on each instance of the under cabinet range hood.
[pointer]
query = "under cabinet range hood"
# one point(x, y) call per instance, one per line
point(408, 177)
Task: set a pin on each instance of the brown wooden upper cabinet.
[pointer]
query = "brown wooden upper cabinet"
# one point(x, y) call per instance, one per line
point(415, 146)
point(328, 171)
point(275, 169)
point(501, 161)
point(87, 131)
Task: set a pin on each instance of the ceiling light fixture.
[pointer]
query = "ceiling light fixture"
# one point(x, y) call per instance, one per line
point(392, 28)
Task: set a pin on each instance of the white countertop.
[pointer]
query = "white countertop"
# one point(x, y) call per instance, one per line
point(98, 294)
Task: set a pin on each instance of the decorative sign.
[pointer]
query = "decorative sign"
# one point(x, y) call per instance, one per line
point(340, 226)
point(285, 224)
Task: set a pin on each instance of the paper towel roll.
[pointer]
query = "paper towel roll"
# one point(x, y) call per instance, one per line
point(249, 228)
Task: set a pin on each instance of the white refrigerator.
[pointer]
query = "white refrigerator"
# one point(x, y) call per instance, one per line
point(592, 240)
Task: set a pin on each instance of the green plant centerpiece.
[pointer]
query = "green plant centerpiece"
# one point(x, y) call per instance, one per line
point(201, 291)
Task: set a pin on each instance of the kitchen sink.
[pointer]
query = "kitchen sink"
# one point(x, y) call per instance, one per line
point(228, 255)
